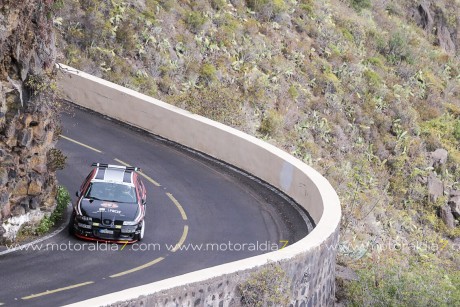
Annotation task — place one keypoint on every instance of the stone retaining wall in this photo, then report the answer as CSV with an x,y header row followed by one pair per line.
x,y
27,115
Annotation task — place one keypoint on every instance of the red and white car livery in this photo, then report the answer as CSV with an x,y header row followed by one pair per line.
x,y
110,205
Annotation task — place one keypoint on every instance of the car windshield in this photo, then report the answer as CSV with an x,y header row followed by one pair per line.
x,y
111,192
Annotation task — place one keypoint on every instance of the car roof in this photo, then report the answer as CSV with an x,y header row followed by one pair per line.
x,y
114,173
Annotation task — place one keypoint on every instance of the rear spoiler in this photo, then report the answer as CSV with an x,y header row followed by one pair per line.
x,y
105,165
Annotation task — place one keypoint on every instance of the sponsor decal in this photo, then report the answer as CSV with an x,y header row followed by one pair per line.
x,y
109,210
109,205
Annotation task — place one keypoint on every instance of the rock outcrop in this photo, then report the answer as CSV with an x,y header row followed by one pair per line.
x,y
27,113
446,215
440,22
449,212
454,203
435,187
438,157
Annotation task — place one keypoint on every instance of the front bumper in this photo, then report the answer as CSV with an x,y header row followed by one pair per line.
x,y
105,234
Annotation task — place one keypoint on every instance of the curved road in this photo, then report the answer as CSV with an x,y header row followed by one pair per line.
x,y
193,203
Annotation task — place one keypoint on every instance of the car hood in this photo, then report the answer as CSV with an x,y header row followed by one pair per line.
x,y
100,209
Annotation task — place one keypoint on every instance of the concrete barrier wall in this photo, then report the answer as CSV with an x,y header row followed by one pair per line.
x,y
310,262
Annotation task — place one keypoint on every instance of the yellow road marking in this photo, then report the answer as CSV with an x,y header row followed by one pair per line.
x,y
148,264
57,290
179,207
182,239
140,173
81,144
138,268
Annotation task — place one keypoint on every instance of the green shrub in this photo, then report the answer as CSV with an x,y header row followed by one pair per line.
x,y
73,55
57,5
398,49
126,37
151,5
195,21
377,61
457,130
359,5
267,9
259,5
293,92
307,6
144,83
44,226
372,77
62,200
208,72
218,4
348,36
271,122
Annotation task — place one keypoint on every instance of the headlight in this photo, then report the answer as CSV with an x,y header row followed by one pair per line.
x,y
84,218
129,223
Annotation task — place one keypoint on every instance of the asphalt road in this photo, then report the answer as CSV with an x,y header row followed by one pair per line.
x,y
194,203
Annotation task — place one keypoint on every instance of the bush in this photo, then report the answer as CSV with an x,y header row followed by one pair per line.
x,y
195,21
398,49
126,37
359,5
267,9
62,199
376,61
218,4
44,226
208,72
271,122
293,92
457,130
308,6
373,78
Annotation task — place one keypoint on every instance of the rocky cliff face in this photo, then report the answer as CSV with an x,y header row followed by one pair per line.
x,y
27,117
439,20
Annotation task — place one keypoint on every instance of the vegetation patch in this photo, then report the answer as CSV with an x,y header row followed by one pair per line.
x,y
49,221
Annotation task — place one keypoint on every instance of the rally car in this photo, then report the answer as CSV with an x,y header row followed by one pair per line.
x,y
110,205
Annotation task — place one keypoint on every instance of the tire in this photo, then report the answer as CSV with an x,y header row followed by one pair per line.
x,y
140,236
71,230
70,226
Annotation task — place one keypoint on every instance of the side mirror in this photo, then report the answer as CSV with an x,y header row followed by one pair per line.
x,y
78,193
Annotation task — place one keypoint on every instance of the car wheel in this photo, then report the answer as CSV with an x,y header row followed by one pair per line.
x,y
70,226
140,236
